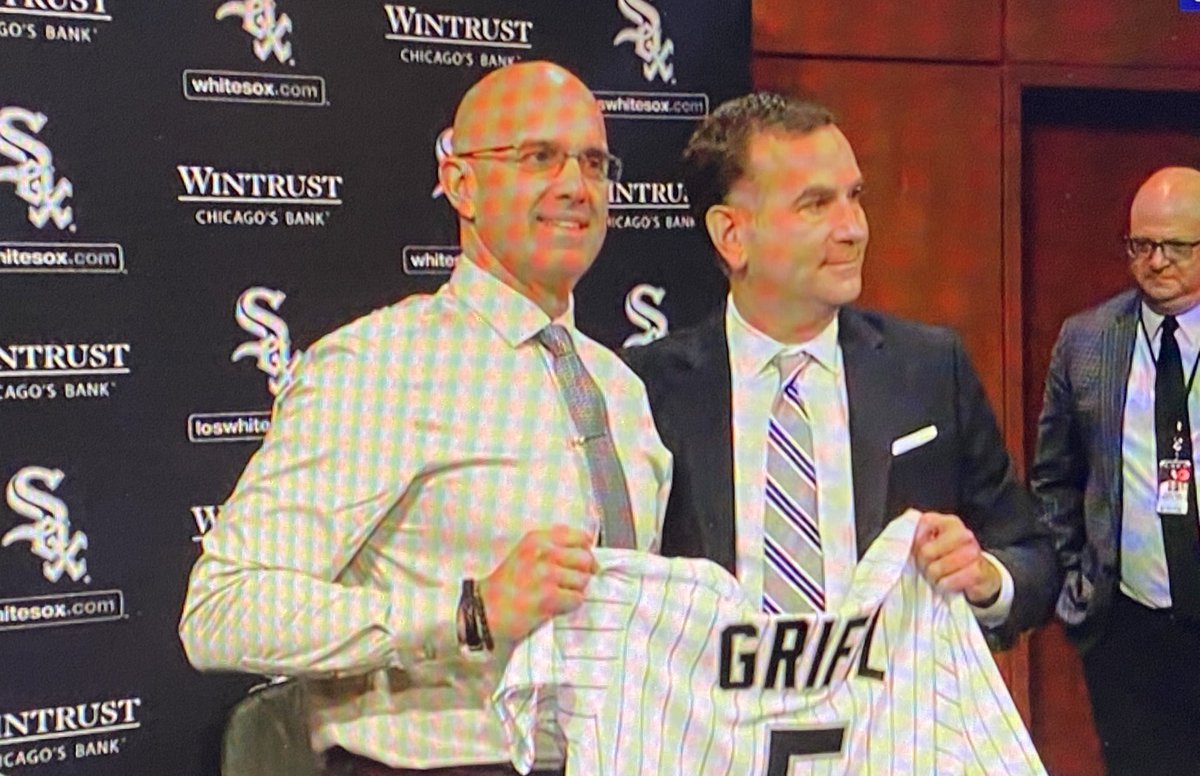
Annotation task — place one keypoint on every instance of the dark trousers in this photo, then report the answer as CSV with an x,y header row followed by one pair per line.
x,y
339,762
1144,680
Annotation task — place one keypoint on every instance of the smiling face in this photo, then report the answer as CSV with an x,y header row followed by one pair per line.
x,y
1167,207
540,228
801,232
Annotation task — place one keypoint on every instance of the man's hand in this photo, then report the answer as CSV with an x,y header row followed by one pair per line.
x,y
544,575
949,556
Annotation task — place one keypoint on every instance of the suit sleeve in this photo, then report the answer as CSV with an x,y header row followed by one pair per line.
x,y
998,509
1059,469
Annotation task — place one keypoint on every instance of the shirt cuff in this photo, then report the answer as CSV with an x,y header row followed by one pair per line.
x,y
994,616
418,637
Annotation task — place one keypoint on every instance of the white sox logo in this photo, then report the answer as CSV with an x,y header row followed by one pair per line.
x,y
260,20
50,536
33,170
443,147
648,42
273,350
642,311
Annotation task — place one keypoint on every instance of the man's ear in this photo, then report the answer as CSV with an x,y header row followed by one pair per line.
x,y
458,182
725,228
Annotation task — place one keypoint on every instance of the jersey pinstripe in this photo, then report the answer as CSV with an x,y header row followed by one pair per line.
x,y
669,669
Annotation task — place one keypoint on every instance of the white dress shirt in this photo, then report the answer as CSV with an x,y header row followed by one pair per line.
x,y
413,448
755,381
1143,559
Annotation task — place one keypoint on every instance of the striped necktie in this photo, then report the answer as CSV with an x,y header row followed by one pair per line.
x,y
590,418
793,571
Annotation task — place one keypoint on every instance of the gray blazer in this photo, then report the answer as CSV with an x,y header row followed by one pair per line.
x,y
1076,473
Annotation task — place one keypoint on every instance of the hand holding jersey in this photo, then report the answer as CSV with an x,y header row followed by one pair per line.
x,y
545,574
950,557
668,668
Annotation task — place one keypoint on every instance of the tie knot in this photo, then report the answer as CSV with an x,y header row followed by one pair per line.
x,y
557,340
1169,326
790,365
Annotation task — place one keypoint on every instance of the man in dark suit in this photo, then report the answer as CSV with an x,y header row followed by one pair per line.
x,y
1114,472
791,413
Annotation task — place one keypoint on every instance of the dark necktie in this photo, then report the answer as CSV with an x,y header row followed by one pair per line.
x,y
1181,539
590,418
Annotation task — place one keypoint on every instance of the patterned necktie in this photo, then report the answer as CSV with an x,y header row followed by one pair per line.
x,y
1181,539
590,418
793,571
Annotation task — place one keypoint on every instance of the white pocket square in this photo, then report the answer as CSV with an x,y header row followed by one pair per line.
x,y
921,436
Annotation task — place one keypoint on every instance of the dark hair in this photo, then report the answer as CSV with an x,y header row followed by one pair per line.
x,y
715,156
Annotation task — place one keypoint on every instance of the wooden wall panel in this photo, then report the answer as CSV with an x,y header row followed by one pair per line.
x,y
1085,151
922,29
949,239
1102,32
928,140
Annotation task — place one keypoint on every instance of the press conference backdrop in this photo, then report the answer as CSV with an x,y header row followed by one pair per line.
x,y
191,193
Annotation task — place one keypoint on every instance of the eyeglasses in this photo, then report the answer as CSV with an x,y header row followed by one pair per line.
x,y
1175,251
548,158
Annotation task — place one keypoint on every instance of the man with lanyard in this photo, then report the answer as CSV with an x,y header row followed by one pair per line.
x,y
1115,473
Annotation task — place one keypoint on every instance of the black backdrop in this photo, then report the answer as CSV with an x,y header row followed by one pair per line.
x,y
144,245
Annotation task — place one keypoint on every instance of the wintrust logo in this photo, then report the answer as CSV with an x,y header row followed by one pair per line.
x,y
272,350
58,9
648,205
456,40
646,35
30,493
265,24
205,517
66,21
237,197
30,737
32,172
641,308
80,719
54,370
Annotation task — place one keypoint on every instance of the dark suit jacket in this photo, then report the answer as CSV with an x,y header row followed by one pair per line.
x,y
1077,467
900,377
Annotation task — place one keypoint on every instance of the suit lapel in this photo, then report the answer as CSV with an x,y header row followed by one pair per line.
x,y
709,447
1116,354
867,392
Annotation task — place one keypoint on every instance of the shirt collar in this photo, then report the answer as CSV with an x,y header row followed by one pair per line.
x,y
514,316
1189,325
752,351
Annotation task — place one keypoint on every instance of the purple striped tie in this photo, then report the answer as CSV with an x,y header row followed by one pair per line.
x,y
793,563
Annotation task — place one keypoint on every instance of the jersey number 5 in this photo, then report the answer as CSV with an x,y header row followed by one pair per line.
x,y
786,744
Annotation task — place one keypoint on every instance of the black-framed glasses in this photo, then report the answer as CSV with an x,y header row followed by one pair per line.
x,y
549,158
1175,251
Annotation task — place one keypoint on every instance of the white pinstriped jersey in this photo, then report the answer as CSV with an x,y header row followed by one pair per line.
x,y
669,668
